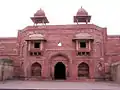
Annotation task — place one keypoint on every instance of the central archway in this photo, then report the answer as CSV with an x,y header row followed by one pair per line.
x,y
59,71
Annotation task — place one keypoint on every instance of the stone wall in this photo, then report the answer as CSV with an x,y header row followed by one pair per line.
x,y
115,72
8,46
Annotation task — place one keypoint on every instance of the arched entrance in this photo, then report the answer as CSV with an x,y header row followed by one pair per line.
x,y
83,70
59,71
36,69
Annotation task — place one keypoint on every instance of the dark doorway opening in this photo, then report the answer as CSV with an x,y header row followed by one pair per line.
x,y
60,71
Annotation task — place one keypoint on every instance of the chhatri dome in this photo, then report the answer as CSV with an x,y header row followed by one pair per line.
x,y
40,13
39,17
82,16
82,12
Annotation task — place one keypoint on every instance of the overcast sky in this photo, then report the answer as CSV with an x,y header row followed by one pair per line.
x,y
15,14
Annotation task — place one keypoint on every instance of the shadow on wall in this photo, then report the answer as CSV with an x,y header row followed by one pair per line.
x,y
6,69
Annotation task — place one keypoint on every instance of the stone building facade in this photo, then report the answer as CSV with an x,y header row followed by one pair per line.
x,y
81,51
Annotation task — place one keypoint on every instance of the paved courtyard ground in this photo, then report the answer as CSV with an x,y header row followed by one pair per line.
x,y
59,85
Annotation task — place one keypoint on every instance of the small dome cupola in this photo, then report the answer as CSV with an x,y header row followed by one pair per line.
x,y
82,12
39,17
39,13
82,16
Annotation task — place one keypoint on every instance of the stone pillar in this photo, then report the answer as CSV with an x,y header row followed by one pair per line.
x,y
26,61
77,45
53,70
29,46
43,71
71,70
118,73
74,71
41,45
25,73
91,69
89,45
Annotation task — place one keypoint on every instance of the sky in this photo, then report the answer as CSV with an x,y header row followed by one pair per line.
x,y
15,14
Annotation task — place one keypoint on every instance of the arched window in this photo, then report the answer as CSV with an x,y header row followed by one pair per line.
x,y
36,69
83,70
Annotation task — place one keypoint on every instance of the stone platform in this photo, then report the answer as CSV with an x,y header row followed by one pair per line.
x,y
58,85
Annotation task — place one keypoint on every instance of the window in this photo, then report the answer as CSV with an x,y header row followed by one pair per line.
x,y
88,53
39,53
83,53
37,45
35,53
79,54
82,44
31,53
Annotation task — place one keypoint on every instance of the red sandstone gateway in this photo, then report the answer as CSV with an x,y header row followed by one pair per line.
x,y
65,52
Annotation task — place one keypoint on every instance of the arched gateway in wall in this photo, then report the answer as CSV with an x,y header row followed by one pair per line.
x,y
59,71
59,67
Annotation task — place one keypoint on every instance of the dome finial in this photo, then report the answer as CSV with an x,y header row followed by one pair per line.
x,y
40,8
